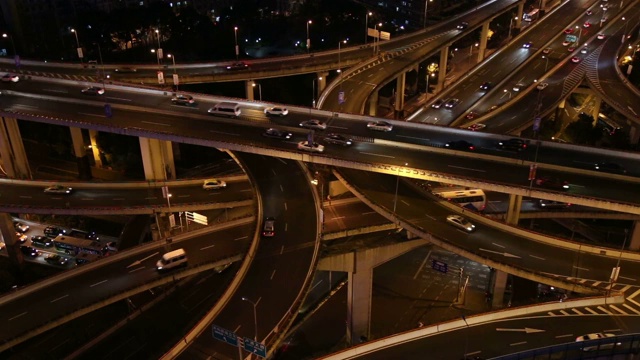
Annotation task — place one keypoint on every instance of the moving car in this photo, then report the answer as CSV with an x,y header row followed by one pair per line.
x,y
183,100
527,45
568,31
595,336
550,204
269,227
551,182
277,134
601,36
338,139
610,168
53,231
313,147
512,144
460,145
172,259
477,127
566,43
571,48
584,50
40,240
437,104
519,86
93,90
485,85
542,86
58,189
238,65
21,237
379,126
313,124
214,184
589,12
460,222
10,78
126,70
575,59
56,259
20,227
471,115
587,24
546,50
463,25
276,111
29,251
451,103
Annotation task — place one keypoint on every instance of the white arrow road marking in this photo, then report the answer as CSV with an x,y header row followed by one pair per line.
x,y
137,262
505,254
524,330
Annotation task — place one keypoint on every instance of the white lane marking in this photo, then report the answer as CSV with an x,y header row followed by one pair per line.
x,y
134,270
337,217
240,238
430,217
183,196
282,161
272,274
498,245
338,127
372,154
404,202
282,250
537,257
238,328
369,213
564,336
207,247
86,199
94,115
465,168
60,298
223,133
286,227
56,91
412,137
581,268
25,106
115,98
314,286
119,199
27,197
150,198
285,206
98,283
612,330
472,353
281,188
17,316
154,123
518,343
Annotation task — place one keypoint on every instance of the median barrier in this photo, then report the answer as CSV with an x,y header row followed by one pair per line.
x,y
153,184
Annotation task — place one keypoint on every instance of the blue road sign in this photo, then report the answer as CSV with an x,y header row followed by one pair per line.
x,y
439,266
341,97
225,335
536,124
255,347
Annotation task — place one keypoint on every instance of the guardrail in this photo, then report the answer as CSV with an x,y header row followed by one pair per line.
x,y
151,184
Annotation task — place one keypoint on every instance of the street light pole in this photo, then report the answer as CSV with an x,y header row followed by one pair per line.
x,y
77,44
376,40
159,52
579,34
426,3
175,71
547,63
366,26
235,36
255,316
253,84
510,26
308,38
13,44
395,198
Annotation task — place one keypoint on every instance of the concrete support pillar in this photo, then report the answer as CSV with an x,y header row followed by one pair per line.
x,y
520,14
12,153
483,40
543,6
8,234
93,135
322,81
513,213
248,89
634,242
359,299
634,134
373,103
597,103
79,149
498,286
399,104
442,74
157,158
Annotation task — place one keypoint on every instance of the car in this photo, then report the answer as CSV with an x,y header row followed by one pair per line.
x,y
589,12
437,104
512,144
568,31
451,103
20,227
586,24
595,336
476,127
551,204
610,168
92,235
485,85
546,50
313,124
380,126
276,111
338,139
93,90
460,222
126,70
492,108
182,99
551,182
277,134
8,77
542,86
519,86
40,240
214,184
604,18
58,189
21,237
460,145
527,45
53,231
575,59
471,115
238,65
313,147
112,246
269,227
584,50
601,36
29,251
571,48
463,25
56,259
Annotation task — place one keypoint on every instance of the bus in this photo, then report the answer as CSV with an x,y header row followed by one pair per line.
x,y
73,245
531,15
473,199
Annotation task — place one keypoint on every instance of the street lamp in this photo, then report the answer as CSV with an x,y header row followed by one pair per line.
x,y
427,90
313,91
579,33
175,71
395,198
308,38
339,59
153,51
547,63
78,49
426,3
366,26
253,84
159,52
235,36
13,44
507,91
255,317
376,40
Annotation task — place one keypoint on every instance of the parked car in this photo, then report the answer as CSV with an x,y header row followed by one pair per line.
x,y
53,231
29,251
21,237
20,227
39,240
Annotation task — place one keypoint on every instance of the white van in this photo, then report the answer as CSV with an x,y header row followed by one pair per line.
x,y
172,259
225,109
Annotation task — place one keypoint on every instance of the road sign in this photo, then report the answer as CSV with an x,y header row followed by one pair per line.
x,y
341,97
255,347
176,79
571,38
439,266
536,123
225,335
160,78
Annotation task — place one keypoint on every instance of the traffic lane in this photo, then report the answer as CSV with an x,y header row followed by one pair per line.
x,y
53,301
350,216
487,341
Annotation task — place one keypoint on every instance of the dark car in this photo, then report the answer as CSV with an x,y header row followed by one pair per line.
x,y
460,145
438,104
512,144
338,139
238,65
463,25
551,204
485,85
183,100
56,259
29,251
277,134
53,231
527,45
551,182
610,168
269,227
41,241
451,103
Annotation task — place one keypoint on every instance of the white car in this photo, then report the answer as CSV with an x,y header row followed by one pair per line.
x,y
58,189
213,184
313,124
10,78
542,86
379,126
314,147
460,222
594,336
601,36
276,111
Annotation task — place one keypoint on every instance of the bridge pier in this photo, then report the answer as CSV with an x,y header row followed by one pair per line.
x,y
442,74
322,81
249,89
93,135
498,285
483,41
373,103
399,104
157,159
8,233
519,15
79,149
12,153
513,212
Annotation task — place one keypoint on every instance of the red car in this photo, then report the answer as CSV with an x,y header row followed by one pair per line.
x,y
587,24
568,31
